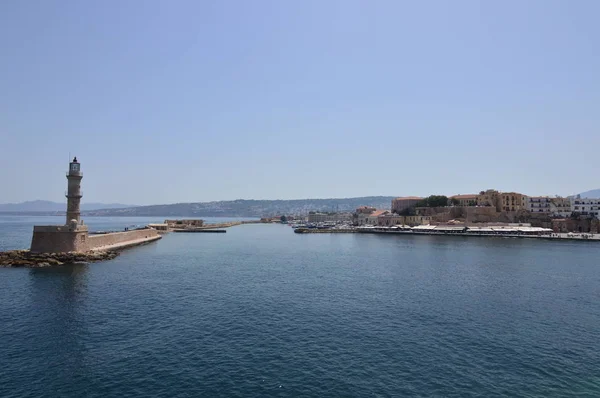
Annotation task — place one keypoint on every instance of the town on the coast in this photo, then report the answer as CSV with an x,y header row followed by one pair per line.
x,y
489,212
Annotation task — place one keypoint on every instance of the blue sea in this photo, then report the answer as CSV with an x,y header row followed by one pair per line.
x,y
263,312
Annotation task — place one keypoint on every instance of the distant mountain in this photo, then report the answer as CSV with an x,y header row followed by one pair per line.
x,y
595,193
248,208
46,206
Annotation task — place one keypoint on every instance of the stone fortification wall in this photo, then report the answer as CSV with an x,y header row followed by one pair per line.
x,y
120,239
576,225
481,214
58,239
484,214
469,213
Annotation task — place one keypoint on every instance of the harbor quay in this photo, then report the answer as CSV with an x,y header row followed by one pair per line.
x,y
510,232
488,213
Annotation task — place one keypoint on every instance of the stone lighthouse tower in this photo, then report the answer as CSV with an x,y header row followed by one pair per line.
x,y
74,195
73,235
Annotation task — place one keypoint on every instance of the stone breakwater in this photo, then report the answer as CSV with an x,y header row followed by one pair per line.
x,y
27,259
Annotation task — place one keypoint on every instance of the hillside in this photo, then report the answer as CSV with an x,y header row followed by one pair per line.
x,y
595,193
47,206
248,208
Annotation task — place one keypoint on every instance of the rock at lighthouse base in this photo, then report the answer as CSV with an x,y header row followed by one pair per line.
x,y
28,259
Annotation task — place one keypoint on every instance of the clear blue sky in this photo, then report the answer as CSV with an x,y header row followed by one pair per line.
x,y
178,101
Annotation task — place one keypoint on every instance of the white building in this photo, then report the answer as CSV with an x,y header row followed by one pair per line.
x,y
585,206
560,207
557,206
539,204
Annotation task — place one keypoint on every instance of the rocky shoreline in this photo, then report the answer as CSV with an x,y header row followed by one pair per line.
x,y
27,259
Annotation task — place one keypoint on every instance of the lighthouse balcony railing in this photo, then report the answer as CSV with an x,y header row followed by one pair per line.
x,y
74,173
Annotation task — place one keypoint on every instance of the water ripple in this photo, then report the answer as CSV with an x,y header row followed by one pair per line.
x,y
260,311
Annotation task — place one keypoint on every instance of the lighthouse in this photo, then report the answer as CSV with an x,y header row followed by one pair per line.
x,y
74,195
73,236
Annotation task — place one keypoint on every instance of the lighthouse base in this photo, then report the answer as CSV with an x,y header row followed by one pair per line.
x,y
62,239
59,239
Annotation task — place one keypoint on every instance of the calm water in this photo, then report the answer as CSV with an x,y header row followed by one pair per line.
x,y
260,311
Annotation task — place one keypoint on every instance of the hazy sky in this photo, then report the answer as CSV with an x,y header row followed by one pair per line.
x,y
178,101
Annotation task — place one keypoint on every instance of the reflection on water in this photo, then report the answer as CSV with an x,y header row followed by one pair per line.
x,y
57,309
67,283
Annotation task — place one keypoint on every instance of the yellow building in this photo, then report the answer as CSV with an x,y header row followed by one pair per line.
x,y
390,219
417,220
502,201
403,203
512,201
489,198
465,200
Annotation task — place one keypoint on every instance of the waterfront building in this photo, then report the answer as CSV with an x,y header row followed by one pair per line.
x,y
539,204
512,201
417,220
556,207
369,218
403,203
390,219
560,206
365,210
465,200
585,206
489,198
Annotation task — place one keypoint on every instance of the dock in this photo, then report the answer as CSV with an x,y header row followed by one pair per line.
x,y
587,237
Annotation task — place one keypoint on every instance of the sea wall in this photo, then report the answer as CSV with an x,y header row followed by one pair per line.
x,y
118,240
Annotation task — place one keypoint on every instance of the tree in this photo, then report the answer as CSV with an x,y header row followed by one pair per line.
x,y
433,201
407,212
283,219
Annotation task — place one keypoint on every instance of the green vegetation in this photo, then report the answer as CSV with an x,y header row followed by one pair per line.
x,y
433,201
408,212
